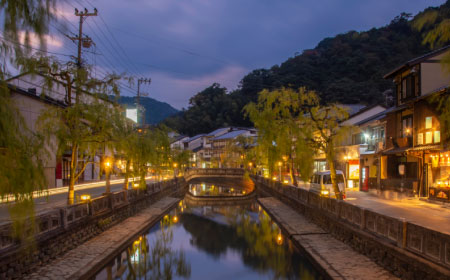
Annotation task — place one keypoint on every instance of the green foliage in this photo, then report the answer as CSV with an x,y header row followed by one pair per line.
x,y
209,109
276,117
21,150
293,125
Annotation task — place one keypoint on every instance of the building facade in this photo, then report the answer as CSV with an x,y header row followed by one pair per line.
x,y
415,162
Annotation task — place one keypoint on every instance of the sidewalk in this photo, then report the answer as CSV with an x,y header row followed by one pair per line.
x,y
422,213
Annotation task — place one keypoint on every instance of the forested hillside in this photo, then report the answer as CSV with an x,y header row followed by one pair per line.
x,y
155,111
348,68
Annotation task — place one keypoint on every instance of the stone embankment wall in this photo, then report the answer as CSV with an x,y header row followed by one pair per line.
x,y
407,250
61,230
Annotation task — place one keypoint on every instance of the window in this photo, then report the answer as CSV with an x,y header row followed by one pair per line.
x,y
437,136
428,122
407,126
428,137
408,86
357,139
327,179
420,139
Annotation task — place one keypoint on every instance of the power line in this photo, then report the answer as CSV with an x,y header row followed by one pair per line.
x,y
35,49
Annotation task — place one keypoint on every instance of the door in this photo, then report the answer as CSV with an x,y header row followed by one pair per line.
x,y
365,179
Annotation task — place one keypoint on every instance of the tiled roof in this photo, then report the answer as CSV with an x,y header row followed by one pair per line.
x,y
231,134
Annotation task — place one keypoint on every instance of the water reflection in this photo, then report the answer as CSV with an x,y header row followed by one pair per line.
x,y
211,242
204,189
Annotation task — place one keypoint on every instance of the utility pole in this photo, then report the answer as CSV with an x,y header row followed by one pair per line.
x,y
85,42
139,94
82,42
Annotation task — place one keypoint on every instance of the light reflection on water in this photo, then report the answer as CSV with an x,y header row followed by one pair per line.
x,y
211,242
203,189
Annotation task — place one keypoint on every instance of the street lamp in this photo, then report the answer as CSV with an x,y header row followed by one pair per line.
x,y
174,169
279,166
108,166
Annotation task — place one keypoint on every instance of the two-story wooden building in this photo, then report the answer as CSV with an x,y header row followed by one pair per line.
x,y
415,162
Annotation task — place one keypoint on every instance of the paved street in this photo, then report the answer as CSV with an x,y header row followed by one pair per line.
x,y
58,197
422,213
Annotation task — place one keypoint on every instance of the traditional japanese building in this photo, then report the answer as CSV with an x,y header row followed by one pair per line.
x,y
415,162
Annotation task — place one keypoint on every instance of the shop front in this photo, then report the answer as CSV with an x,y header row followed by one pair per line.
x,y
437,175
353,173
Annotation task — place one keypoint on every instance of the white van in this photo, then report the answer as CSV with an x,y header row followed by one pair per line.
x,y
321,182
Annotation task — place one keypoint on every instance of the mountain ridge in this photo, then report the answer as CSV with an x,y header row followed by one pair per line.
x,y
347,68
155,110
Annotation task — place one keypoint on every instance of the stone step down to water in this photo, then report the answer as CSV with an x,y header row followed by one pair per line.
x,y
91,255
336,258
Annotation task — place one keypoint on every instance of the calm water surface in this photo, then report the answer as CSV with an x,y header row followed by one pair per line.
x,y
211,242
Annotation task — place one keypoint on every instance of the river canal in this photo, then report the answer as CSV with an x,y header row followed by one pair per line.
x,y
211,242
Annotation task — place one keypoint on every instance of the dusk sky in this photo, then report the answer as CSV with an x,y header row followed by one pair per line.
x,y
186,45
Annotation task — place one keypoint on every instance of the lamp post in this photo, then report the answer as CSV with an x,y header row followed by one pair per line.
x,y
108,166
279,166
174,169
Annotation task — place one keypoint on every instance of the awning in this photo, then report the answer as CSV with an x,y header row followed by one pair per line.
x,y
393,151
434,147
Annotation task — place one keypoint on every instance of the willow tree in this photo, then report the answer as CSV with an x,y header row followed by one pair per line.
x,y
323,129
293,124
276,117
22,152
84,129
125,138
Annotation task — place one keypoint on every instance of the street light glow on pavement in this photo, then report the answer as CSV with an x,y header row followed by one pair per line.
x,y
78,187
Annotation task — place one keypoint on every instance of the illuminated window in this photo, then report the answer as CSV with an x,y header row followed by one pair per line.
x,y
437,136
428,137
428,122
420,139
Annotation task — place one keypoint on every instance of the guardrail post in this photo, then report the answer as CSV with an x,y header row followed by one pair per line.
x,y
63,215
404,232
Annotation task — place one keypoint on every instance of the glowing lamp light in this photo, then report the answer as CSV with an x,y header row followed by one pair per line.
x,y
324,192
85,197
350,184
366,135
243,192
279,239
175,165
274,178
280,163
108,164
175,219
286,181
408,130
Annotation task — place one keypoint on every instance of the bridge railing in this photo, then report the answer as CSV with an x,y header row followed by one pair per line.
x,y
213,172
67,217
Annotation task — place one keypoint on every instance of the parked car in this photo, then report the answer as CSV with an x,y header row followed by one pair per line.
x,y
321,182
